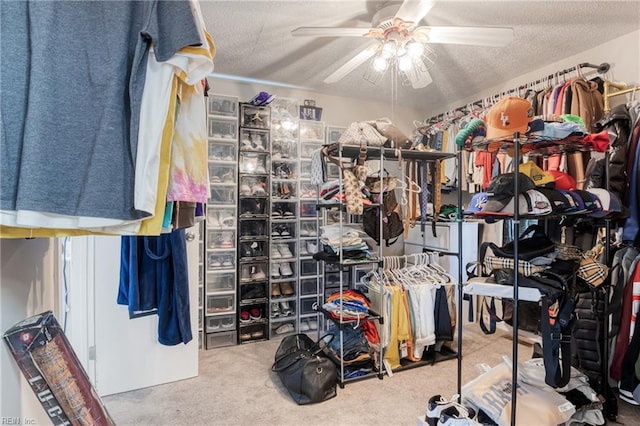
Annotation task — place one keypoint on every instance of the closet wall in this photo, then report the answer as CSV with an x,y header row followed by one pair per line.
x,y
336,110
29,285
28,277
621,53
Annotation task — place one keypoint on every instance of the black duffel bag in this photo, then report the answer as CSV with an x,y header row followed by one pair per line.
x,y
308,375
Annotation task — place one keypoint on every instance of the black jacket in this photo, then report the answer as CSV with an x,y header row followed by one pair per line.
x,y
618,125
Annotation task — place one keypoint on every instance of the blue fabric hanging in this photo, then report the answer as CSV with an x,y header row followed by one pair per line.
x,y
154,279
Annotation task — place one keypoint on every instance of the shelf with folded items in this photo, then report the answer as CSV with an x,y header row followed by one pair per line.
x,y
369,315
354,262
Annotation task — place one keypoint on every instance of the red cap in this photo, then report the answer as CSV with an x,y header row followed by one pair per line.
x,y
563,180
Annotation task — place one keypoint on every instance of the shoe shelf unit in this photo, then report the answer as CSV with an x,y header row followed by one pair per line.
x,y
312,137
218,267
284,255
254,188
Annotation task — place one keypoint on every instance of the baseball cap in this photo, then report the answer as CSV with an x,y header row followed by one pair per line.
x,y
501,189
609,202
509,115
574,201
559,203
530,202
477,201
537,175
590,201
563,180
556,130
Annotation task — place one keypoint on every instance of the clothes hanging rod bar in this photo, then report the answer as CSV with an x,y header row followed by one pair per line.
x,y
622,89
601,69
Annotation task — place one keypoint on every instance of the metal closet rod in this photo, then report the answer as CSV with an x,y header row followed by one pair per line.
x,y
601,69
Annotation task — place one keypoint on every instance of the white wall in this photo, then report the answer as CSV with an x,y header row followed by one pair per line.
x,y
621,53
336,110
28,286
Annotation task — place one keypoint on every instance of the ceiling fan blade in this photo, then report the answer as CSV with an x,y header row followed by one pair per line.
x,y
478,36
414,10
352,64
329,32
423,80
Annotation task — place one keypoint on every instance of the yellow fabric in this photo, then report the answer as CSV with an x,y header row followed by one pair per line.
x,y
445,140
399,328
153,225
18,232
405,302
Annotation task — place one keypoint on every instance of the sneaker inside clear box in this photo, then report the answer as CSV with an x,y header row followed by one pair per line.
x,y
222,173
222,129
221,239
254,140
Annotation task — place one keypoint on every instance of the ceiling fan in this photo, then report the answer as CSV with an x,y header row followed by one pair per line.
x,y
401,42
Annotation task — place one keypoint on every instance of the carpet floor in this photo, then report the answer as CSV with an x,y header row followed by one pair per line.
x,y
235,386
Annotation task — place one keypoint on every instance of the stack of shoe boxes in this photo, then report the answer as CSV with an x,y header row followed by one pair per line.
x,y
284,217
219,243
311,272
253,241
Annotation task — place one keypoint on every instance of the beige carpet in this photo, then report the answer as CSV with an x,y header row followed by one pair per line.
x,y
236,387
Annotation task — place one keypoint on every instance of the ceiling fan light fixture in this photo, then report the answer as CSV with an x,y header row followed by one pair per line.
x,y
415,49
380,63
405,63
389,49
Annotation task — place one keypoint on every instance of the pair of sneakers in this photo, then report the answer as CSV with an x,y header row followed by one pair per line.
x,y
281,270
442,412
281,251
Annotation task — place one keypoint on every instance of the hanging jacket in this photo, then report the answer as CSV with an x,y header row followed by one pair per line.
x,y
631,228
617,124
587,101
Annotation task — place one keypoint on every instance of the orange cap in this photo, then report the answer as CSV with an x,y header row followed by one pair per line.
x,y
508,116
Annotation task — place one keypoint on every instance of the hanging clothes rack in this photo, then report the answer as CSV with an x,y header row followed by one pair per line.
x,y
466,109
620,89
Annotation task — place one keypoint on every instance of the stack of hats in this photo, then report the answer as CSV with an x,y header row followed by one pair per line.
x,y
540,194
513,115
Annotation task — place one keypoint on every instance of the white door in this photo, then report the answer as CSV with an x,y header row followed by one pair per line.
x,y
127,353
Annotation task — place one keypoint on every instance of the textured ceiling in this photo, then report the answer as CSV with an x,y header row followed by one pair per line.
x,y
253,40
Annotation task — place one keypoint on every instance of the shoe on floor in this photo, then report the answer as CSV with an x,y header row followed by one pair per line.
x,y
457,415
627,396
435,406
